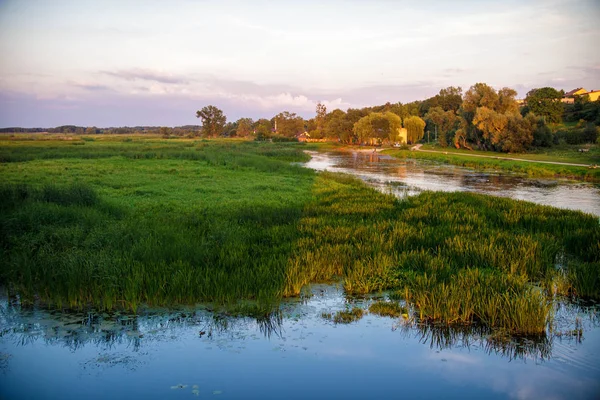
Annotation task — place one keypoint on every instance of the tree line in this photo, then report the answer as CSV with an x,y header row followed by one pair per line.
x,y
481,117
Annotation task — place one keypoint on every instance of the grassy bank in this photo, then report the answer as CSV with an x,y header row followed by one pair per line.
x,y
465,159
126,223
121,223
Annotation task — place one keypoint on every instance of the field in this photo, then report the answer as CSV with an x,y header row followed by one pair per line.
x,y
118,222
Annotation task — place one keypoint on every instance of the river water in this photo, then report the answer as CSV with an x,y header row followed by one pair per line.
x,y
409,177
298,352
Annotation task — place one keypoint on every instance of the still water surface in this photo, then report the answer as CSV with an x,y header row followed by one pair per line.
x,y
298,353
409,177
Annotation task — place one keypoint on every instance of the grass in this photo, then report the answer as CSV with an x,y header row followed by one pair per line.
x,y
348,316
120,224
387,309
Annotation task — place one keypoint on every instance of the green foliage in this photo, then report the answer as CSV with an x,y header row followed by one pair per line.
x,y
213,121
288,124
378,127
348,316
387,309
415,128
546,102
180,222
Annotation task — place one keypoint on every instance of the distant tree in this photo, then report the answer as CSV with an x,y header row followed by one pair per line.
x,y
165,131
91,130
213,120
450,98
542,135
316,128
244,127
339,126
507,102
546,102
490,123
518,134
289,124
415,128
263,129
444,122
377,127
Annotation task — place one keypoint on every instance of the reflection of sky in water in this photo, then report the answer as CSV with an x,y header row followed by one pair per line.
x,y
307,357
386,173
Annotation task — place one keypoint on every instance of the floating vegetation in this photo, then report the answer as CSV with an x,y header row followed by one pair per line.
x,y
387,309
348,316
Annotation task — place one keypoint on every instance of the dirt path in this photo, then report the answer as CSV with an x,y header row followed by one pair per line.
x,y
418,148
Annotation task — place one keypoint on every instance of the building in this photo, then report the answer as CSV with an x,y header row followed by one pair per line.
x,y
569,97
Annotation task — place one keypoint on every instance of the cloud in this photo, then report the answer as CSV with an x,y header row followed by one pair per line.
x,y
146,75
91,86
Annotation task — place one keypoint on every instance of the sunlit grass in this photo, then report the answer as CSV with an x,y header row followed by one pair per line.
x,y
152,222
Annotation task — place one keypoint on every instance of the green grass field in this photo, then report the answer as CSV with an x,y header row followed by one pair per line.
x,y
127,222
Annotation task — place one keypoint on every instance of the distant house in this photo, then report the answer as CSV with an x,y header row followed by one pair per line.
x,y
594,95
569,97
576,92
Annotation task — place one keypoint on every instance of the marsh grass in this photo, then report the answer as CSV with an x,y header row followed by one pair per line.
x,y
150,222
387,309
348,316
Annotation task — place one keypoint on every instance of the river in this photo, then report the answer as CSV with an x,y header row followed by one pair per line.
x,y
408,177
299,353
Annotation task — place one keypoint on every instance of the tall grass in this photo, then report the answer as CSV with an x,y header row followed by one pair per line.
x,y
120,225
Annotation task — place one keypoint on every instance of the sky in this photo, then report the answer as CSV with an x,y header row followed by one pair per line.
x,y
128,63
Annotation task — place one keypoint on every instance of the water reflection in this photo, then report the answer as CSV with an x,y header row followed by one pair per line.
x,y
410,177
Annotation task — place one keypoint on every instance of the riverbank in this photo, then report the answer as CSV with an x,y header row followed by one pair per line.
x,y
532,167
162,222
559,163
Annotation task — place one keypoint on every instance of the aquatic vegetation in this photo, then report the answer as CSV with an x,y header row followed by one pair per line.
x,y
387,309
348,316
117,225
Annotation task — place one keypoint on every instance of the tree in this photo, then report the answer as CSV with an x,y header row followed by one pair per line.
x,y
263,129
546,102
450,99
91,130
339,126
415,128
288,124
377,127
490,123
213,120
518,135
319,122
244,127
444,122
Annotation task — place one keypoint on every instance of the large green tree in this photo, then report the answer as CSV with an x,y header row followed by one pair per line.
x,y
288,124
213,120
444,122
244,127
415,128
339,126
378,127
546,102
